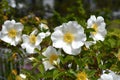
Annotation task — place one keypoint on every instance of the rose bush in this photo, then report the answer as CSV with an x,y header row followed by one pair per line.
x,y
75,49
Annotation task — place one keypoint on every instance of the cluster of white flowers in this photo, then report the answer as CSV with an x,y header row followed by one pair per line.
x,y
69,37
12,33
109,76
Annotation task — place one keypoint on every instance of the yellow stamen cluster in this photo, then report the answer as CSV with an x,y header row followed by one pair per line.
x,y
12,33
95,27
68,37
53,58
81,76
33,39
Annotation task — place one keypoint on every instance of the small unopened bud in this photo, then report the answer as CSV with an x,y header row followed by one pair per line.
x,y
23,76
43,27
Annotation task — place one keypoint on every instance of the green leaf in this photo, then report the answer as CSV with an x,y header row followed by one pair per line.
x,y
41,69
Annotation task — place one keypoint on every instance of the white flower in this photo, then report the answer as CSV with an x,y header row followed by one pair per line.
x,y
33,41
98,25
11,32
70,37
52,58
109,76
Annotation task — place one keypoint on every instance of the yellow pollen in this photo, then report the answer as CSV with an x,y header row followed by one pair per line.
x,y
53,58
95,27
68,37
81,76
12,33
33,39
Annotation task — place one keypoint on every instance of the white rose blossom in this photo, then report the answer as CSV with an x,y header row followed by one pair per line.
x,y
70,37
11,32
109,76
98,25
32,41
52,58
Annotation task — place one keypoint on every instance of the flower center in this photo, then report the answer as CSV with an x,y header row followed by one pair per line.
x,y
68,37
12,33
53,58
95,27
33,39
81,76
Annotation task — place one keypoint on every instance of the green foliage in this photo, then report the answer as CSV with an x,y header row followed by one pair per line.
x,y
63,13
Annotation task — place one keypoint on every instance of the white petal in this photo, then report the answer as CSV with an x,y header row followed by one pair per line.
x,y
58,44
101,27
47,65
58,28
6,38
18,26
47,34
76,51
79,40
18,37
13,42
68,49
93,18
30,49
25,38
72,27
34,32
50,50
42,35
91,21
40,38
89,43
106,77
98,37
23,45
38,41
100,19
13,21
4,29
77,44
57,38
7,26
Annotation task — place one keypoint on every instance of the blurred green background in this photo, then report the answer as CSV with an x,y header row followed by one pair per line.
x,y
53,10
